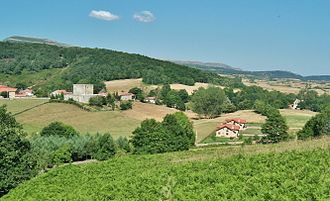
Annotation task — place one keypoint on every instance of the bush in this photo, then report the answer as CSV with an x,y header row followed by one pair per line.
x,y
125,105
59,129
123,144
97,101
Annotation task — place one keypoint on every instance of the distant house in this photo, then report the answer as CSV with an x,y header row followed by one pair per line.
x,y
26,93
295,104
151,99
237,122
228,131
59,92
9,90
127,96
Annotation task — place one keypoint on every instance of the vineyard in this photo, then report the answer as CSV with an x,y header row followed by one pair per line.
x,y
288,171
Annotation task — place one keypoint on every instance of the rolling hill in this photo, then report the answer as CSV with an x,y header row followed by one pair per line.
x,y
49,67
24,39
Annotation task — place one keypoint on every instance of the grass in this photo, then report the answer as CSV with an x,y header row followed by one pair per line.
x,y
115,122
205,127
285,171
19,105
118,123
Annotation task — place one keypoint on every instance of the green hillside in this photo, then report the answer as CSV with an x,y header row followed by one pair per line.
x,y
52,67
285,171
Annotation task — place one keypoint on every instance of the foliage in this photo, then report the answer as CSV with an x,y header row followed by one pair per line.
x,y
173,134
316,126
275,128
248,95
98,101
312,101
193,175
58,129
105,147
208,102
123,144
4,94
91,66
16,161
138,93
126,105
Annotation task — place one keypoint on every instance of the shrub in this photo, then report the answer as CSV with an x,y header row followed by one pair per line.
x,y
97,101
123,144
125,105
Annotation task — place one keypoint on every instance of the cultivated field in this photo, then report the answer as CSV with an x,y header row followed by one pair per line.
x,y
289,86
116,122
127,84
295,170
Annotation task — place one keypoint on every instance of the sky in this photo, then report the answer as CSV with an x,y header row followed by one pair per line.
x,y
291,35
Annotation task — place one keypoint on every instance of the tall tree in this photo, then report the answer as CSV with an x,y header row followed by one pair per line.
x,y
16,161
275,128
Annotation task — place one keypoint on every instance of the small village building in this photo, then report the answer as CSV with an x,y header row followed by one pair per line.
x,y
59,92
26,93
8,90
81,93
151,100
127,96
228,131
295,104
238,122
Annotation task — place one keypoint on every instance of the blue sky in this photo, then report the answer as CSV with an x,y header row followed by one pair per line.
x,y
250,34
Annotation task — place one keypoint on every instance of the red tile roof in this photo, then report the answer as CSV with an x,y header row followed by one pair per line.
x,y
237,120
229,126
6,89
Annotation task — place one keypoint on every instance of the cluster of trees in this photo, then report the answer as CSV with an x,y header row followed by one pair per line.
x,y
172,98
86,65
317,126
275,126
211,102
312,101
59,143
246,97
174,133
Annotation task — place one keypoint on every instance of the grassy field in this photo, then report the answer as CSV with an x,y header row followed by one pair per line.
x,y
19,105
284,171
205,127
127,84
116,122
296,119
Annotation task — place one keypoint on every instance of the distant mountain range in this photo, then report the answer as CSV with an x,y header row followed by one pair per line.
x,y
24,39
229,70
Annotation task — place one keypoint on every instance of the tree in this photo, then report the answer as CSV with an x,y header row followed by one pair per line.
x,y
59,129
123,144
164,91
110,101
208,102
317,126
149,137
105,147
138,93
175,133
275,128
184,96
17,164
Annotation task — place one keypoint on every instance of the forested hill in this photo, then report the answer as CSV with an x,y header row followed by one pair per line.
x,y
50,67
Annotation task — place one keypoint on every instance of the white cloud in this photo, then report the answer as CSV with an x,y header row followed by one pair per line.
x,y
144,16
103,15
